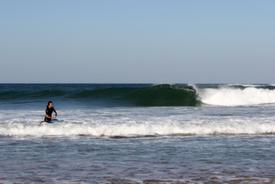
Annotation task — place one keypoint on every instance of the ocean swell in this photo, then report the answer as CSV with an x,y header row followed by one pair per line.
x,y
143,95
156,95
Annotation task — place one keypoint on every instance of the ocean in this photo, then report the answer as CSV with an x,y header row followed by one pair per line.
x,y
138,133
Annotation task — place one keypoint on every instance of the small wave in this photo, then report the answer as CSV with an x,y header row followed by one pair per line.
x,y
144,129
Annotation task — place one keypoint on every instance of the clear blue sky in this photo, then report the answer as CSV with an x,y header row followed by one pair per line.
x,y
151,41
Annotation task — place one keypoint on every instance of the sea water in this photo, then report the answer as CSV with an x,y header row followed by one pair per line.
x,y
138,133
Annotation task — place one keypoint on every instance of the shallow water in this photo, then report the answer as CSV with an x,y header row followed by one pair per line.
x,y
88,160
122,145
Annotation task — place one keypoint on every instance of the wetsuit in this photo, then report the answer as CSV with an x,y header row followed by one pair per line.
x,y
49,112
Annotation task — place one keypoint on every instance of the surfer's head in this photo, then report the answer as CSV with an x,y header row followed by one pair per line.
x,y
50,104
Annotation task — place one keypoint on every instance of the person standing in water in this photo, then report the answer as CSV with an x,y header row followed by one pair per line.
x,y
49,111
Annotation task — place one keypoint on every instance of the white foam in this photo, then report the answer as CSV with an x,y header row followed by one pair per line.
x,y
137,122
227,96
146,128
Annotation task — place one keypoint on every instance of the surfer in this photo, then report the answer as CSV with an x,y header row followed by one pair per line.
x,y
49,111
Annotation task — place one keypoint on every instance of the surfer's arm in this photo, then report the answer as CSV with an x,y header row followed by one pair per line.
x,y
55,112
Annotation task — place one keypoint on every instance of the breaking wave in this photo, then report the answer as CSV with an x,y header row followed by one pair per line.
x,y
158,95
237,96
145,95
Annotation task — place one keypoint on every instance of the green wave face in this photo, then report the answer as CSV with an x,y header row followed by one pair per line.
x,y
24,94
158,95
165,95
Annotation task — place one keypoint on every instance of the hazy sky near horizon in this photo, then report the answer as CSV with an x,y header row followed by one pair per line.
x,y
137,41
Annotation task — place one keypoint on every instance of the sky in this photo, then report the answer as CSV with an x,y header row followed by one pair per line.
x,y
137,41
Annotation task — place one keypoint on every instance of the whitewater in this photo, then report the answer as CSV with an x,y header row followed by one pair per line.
x,y
123,122
230,96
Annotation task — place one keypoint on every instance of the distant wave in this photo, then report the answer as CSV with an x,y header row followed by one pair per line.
x,y
150,95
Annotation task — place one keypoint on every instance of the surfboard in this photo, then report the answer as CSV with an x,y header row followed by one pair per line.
x,y
54,121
